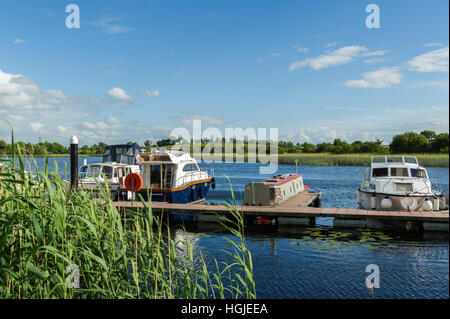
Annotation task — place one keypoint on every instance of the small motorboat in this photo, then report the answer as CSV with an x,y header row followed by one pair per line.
x,y
173,176
398,183
118,162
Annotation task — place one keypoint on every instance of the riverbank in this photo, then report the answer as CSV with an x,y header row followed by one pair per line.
x,y
327,159
321,159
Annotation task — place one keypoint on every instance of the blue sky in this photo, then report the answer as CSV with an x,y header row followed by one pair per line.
x,y
138,69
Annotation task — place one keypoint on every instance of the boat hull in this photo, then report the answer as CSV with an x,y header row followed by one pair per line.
x,y
193,193
372,200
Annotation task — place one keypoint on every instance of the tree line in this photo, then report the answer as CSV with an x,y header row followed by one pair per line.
x,y
410,142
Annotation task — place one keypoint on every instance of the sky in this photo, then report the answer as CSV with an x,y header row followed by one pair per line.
x,y
138,69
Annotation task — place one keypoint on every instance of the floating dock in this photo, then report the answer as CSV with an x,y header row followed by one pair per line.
x,y
297,211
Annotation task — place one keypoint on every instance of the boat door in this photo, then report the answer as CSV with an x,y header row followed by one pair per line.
x,y
167,175
121,174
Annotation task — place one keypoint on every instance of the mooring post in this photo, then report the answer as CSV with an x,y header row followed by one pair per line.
x,y
73,162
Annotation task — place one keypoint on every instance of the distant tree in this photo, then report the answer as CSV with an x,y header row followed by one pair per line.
x,y
430,135
410,142
308,148
440,143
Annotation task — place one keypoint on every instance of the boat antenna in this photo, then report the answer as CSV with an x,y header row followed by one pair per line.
x,y
296,168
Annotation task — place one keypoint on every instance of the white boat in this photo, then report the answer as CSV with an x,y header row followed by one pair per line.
x,y
118,161
398,183
173,176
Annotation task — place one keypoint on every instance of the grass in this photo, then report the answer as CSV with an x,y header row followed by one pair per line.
x,y
48,231
326,159
322,159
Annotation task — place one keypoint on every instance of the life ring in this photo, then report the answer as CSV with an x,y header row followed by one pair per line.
x,y
134,182
410,207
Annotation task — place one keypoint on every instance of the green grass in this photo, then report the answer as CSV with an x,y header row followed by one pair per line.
x,y
45,228
326,159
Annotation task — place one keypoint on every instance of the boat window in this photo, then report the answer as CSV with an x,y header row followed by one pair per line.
x,y
107,170
380,172
115,172
83,171
93,171
155,175
410,160
394,159
398,171
407,188
415,172
378,159
190,167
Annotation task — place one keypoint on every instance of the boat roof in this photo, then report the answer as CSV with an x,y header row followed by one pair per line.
x,y
281,179
164,156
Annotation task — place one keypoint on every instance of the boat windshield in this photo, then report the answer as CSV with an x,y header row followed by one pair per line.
x,y
419,173
399,171
95,171
394,159
380,172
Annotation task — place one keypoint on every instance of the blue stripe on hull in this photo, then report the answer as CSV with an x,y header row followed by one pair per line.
x,y
190,194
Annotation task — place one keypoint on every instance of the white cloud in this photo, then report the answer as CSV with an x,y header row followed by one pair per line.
x,y
61,129
434,44
19,41
36,126
374,53
375,60
152,93
377,79
332,44
433,61
109,26
337,57
119,93
302,50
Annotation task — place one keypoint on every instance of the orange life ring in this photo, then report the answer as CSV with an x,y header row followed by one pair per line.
x,y
134,182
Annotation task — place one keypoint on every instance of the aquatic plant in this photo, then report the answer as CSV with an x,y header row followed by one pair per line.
x,y
49,235
331,239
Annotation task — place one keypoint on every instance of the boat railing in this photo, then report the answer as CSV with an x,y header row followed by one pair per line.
x,y
193,177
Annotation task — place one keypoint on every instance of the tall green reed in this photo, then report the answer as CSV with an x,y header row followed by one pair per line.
x,y
46,230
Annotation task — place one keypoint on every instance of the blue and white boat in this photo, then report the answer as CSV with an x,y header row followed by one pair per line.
x,y
173,176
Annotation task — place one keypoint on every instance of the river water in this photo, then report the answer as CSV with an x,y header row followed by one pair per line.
x,y
297,262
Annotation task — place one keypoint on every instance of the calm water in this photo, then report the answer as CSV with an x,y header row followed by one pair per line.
x,y
287,265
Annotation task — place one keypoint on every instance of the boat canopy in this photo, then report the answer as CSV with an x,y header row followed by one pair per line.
x,y
121,153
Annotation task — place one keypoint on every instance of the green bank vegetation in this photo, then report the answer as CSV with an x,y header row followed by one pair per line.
x,y
46,231
431,149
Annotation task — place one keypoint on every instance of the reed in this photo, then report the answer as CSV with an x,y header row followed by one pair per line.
x,y
326,159
47,231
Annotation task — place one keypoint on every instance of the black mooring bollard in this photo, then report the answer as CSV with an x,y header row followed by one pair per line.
x,y
74,162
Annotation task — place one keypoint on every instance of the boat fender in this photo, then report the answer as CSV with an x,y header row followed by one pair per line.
x,y
373,201
213,183
408,207
386,203
427,205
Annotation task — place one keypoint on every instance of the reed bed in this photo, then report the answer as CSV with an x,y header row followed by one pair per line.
x,y
326,159
49,234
